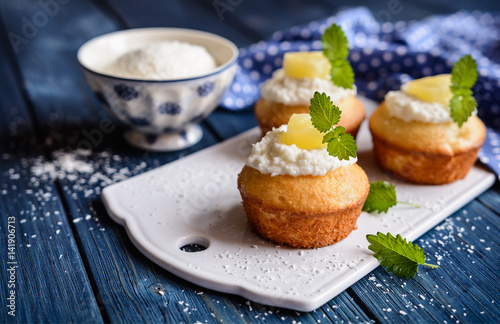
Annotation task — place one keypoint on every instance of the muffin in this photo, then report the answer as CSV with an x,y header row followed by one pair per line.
x,y
304,198
415,138
289,90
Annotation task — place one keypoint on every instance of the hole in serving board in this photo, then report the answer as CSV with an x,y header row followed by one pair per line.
x,y
193,244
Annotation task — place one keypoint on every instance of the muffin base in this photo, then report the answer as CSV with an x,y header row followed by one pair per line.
x,y
301,231
422,167
312,213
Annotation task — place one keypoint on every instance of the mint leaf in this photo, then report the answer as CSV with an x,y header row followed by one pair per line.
x,y
343,147
381,197
464,73
334,43
333,134
463,78
396,254
324,114
461,108
336,50
342,74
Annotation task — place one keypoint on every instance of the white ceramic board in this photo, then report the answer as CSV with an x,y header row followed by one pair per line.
x,y
194,200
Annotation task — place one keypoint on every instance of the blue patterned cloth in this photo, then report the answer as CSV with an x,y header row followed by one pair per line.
x,y
385,55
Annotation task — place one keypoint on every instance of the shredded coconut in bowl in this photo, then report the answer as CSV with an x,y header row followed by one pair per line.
x,y
167,60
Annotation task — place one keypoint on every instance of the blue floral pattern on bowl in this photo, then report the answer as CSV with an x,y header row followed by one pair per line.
x,y
205,89
183,134
170,108
161,107
126,92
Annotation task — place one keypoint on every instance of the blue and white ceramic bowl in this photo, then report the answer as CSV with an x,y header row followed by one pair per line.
x,y
162,115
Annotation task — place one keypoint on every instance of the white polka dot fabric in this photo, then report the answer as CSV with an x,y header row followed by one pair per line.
x,y
385,55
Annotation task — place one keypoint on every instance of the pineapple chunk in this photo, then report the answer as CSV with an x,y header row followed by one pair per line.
x,y
306,65
301,132
431,89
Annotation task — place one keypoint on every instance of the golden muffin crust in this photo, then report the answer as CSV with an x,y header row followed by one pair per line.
x,y
271,114
425,153
304,211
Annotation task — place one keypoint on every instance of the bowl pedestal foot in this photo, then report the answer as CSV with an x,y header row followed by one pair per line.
x,y
165,142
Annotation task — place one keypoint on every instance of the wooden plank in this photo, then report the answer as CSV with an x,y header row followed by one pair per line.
x,y
227,124
466,248
491,198
266,17
150,13
49,280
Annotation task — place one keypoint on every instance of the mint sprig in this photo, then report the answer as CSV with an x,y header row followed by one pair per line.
x,y
397,255
381,197
463,78
324,115
336,50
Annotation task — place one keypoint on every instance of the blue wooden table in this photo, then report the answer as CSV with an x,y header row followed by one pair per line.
x,y
64,260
